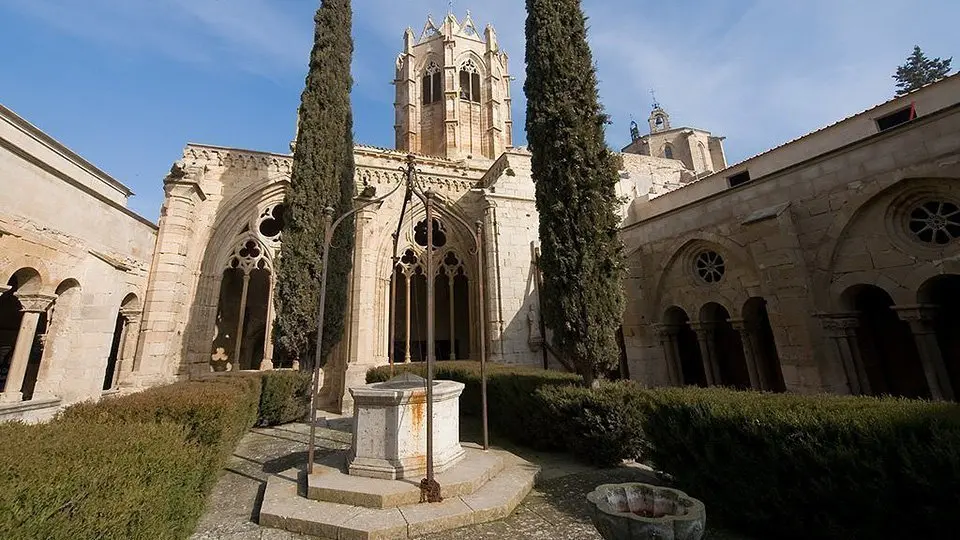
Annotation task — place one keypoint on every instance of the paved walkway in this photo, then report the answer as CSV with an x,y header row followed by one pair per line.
x,y
554,509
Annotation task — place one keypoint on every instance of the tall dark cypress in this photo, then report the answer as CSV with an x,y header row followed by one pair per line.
x,y
322,176
576,176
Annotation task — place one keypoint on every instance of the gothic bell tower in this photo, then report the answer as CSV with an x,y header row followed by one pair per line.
x,y
453,92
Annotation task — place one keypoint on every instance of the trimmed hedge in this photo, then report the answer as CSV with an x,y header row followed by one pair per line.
x,y
139,465
791,466
73,480
284,397
510,389
600,426
773,465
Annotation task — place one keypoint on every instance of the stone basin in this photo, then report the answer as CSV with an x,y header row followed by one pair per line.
x,y
639,511
390,435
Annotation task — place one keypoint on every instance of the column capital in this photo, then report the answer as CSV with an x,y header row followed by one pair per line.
x,y
741,325
132,315
839,324
703,326
35,302
4,288
664,330
916,312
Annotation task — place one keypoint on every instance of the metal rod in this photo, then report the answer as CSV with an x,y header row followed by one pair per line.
x,y
327,235
430,335
240,318
327,239
483,338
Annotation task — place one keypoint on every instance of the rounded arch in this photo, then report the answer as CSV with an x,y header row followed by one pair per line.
x,y
887,348
667,151
843,290
940,298
763,345
681,348
682,252
27,279
675,315
850,214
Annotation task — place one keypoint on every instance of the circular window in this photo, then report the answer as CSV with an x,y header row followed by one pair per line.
x,y
935,222
709,266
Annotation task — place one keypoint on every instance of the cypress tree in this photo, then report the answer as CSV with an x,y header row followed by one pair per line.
x,y
575,176
322,176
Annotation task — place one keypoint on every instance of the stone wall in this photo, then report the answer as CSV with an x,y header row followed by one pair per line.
x,y
798,238
78,259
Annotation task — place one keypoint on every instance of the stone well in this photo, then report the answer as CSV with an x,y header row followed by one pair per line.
x,y
390,428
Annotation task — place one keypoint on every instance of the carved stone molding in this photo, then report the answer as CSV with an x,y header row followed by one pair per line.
x,y
36,302
839,324
924,313
200,156
132,315
4,288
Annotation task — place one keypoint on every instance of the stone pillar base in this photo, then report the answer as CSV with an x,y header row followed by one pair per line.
x,y
11,397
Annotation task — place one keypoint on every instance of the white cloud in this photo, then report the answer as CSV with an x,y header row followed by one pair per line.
x,y
759,73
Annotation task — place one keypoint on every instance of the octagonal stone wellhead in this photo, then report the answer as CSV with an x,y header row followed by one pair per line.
x,y
390,428
637,511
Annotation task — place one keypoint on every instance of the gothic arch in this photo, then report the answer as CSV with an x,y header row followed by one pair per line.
x,y
478,61
235,214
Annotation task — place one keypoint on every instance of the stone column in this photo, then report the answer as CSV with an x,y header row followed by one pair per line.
x,y
491,286
238,337
267,363
667,334
921,319
841,329
33,305
750,352
128,344
406,336
453,327
706,336
172,275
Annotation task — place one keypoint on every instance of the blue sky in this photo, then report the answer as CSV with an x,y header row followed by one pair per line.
x,y
127,83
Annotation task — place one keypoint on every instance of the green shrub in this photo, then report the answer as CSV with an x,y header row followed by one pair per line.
x,y
284,397
600,426
75,480
510,389
216,411
791,466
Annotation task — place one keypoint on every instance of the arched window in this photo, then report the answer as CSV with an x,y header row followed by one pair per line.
x,y
470,82
703,156
668,151
432,84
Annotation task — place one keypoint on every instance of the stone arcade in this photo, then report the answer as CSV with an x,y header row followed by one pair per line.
x,y
828,263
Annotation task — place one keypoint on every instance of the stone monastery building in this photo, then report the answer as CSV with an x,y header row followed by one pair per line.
x,y
828,264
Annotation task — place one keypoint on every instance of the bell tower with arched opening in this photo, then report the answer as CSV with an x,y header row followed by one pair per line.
x,y
453,92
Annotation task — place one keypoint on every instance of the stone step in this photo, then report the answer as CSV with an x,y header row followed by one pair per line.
x,y
330,483
285,507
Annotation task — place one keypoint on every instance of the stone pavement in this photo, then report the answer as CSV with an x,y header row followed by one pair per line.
x,y
553,510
